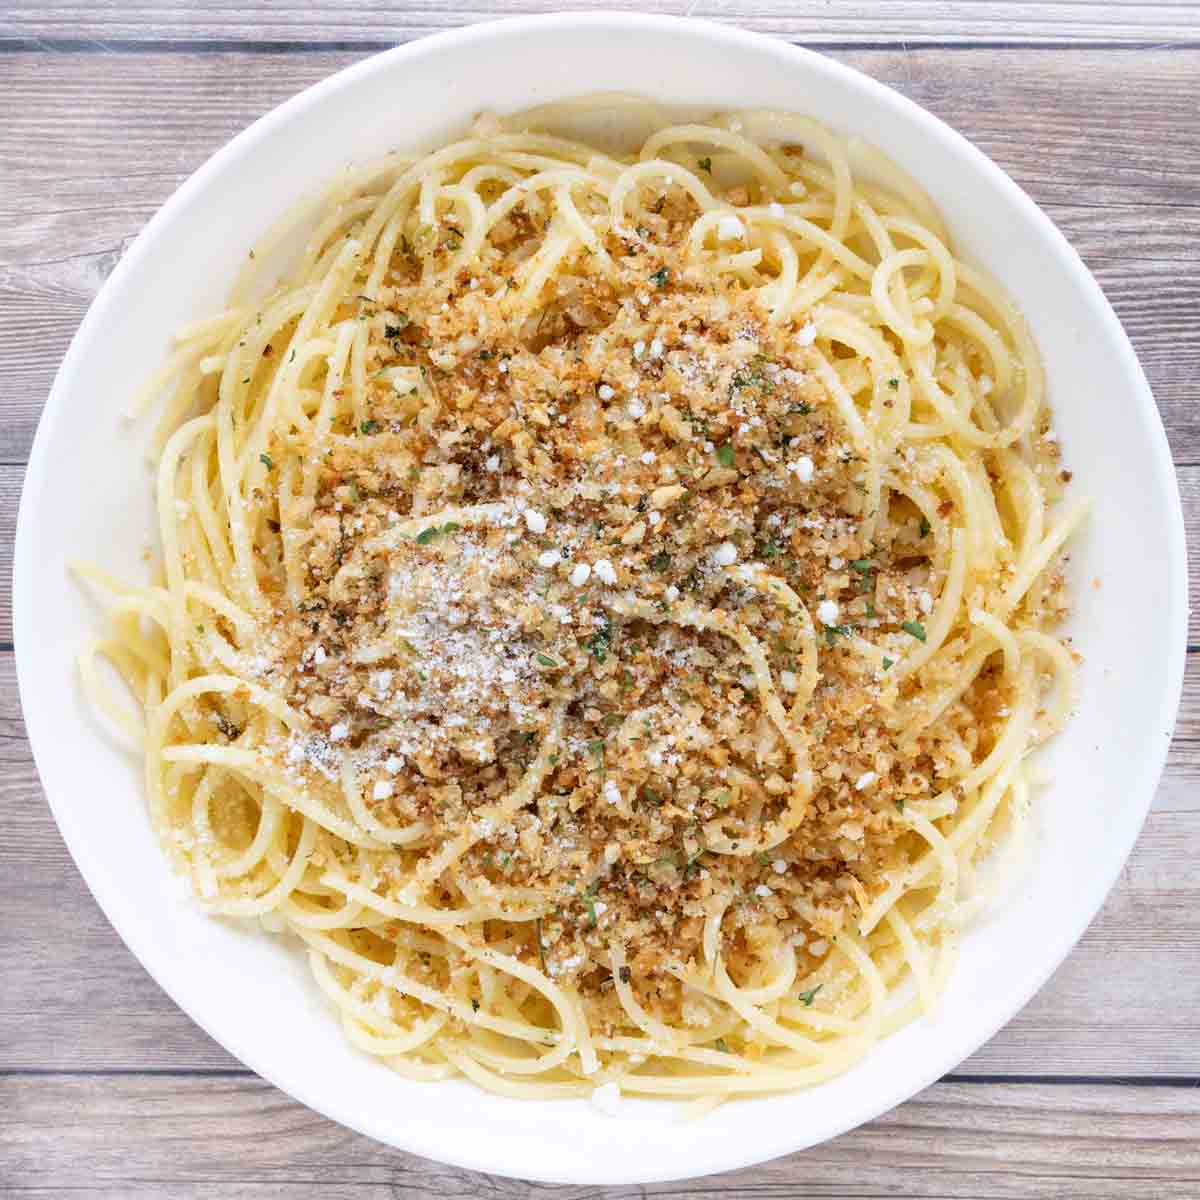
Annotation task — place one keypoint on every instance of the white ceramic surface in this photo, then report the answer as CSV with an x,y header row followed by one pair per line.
x,y
87,494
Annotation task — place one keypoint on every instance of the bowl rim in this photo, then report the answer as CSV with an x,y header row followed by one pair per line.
x,y
459,1151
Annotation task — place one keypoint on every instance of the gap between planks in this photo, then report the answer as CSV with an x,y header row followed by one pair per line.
x,y
128,46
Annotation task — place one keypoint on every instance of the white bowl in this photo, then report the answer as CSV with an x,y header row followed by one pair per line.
x,y
87,494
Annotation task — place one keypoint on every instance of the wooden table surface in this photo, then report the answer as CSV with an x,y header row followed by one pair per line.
x,y
107,1089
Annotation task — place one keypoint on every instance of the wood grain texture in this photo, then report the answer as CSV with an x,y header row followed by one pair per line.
x,y
1124,1003
816,22
238,1137
1100,139
92,143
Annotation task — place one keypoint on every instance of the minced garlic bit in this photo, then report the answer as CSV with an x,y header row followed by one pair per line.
x,y
827,612
802,468
604,571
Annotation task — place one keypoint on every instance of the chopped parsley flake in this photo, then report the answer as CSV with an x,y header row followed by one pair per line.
x,y
915,628
600,643
427,535
752,376
725,454
589,898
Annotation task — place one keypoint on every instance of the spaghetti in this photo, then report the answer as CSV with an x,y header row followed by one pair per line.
x,y
606,604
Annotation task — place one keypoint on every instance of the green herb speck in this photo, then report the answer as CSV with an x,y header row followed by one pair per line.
x,y
600,643
427,535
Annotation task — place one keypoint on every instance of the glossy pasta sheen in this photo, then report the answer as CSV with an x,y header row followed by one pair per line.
x,y
815,901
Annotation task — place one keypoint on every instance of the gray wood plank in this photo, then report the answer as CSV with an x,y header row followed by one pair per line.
x,y
10,494
204,1137
806,20
1124,1003
1105,141
1189,495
